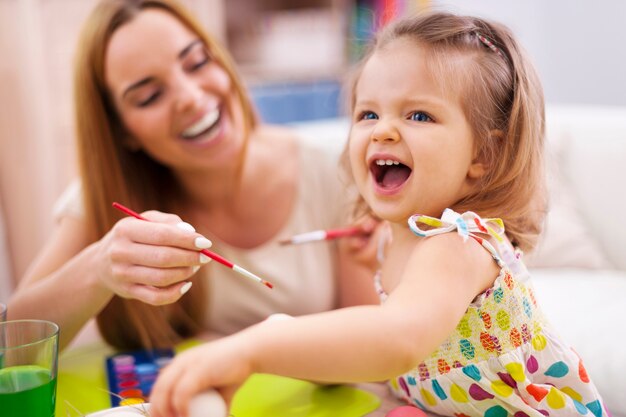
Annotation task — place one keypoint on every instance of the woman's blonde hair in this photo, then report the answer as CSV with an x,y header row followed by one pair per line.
x,y
110,171
503,101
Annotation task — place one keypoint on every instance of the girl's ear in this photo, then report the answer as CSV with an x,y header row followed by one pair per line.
x,y
476,170
481,163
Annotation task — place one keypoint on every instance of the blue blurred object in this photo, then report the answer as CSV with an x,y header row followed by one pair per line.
x,y
293,102
131,375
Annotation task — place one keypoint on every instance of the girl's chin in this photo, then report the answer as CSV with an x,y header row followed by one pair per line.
x,y
390,212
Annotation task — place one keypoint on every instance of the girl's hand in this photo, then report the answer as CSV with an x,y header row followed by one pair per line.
x,y
150,261
222,365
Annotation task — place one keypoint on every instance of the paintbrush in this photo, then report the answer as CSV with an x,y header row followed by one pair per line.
x,y
318,235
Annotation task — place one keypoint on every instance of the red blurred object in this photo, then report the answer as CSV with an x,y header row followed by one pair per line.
x,y
406,411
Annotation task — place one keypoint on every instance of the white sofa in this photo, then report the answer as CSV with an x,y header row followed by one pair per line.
x,y
579,267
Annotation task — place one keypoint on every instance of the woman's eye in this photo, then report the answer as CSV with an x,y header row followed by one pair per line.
x,y
368,115
200,64
420,116
197,58
151,99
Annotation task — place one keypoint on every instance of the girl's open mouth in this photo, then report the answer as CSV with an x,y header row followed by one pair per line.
x,y
389,174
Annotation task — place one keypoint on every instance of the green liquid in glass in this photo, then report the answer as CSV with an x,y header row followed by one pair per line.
x,y
27,391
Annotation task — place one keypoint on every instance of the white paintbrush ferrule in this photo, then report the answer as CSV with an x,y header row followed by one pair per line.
x,y
247,274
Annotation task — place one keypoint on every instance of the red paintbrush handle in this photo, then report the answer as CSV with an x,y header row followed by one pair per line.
x,y
350,231
217,258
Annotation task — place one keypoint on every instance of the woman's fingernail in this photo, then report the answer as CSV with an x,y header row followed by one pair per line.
x,y
195,268
278,317
185,288
204,259
186,227
203,243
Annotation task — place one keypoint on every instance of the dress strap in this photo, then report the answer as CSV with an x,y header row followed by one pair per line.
x,y
466,225
383,240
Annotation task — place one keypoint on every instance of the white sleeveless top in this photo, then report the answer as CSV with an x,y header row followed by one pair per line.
x,y
304,276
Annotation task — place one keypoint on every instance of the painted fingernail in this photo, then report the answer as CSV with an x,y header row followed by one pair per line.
x,y
195,268
185,288
186,227
203,243
278,317
204,259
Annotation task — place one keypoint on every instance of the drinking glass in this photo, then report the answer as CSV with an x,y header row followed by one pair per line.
x,y
28,368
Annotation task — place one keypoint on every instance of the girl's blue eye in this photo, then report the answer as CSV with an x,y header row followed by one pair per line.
x,y
368,115
420,116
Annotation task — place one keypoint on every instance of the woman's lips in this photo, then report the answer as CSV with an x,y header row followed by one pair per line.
x,y
207,123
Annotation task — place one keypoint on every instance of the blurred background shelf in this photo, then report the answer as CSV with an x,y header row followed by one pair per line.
x,y
300,40
294,55
285,102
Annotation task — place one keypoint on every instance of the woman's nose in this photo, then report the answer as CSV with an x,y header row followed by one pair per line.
x,y
385,131
189,94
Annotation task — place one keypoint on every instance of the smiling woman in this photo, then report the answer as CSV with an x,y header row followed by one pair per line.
x,y
164,123
177,102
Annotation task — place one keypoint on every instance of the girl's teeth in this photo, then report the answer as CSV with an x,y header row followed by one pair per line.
x,y
386,162
203,124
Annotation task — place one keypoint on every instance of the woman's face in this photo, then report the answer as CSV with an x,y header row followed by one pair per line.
x,y
177,103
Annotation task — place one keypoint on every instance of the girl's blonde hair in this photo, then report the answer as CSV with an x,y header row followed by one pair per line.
x,y
111,171
503,101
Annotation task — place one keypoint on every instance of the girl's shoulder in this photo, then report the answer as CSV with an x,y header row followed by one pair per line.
x,y
455,252
449,250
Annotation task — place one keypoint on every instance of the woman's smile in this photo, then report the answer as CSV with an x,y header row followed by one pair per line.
x,y
207,123
207,131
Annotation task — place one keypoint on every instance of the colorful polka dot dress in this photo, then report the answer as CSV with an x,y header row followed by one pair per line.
x,y
503,359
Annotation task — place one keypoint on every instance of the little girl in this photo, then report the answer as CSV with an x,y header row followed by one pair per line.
x,y
447,118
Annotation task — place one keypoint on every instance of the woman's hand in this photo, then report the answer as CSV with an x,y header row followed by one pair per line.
x,y
358,262
363,248
222,365
150,261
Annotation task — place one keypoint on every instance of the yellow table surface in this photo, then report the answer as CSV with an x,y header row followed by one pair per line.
x,y
82,389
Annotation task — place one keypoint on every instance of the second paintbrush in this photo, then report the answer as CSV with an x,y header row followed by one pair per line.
x,y
317,235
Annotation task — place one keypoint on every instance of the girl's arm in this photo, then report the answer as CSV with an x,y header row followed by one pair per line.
x,y
371,343
71,280
364,343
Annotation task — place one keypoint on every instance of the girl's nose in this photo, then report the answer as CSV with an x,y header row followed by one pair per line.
x,y
189,95
385,131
